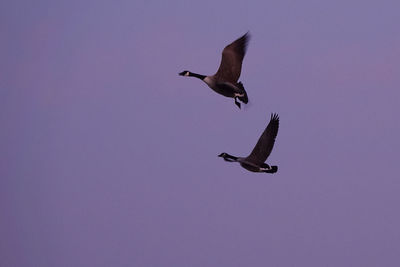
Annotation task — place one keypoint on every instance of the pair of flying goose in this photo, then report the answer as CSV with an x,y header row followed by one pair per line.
x,y
225,82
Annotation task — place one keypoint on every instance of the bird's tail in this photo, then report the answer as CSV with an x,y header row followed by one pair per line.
x,y
244,98
273,169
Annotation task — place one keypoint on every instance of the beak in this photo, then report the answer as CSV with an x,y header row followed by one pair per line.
x,y
182,73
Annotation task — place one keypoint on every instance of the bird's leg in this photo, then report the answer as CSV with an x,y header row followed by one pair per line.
x,y
236,102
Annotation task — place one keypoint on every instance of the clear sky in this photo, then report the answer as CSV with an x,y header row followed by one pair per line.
x,y
109,158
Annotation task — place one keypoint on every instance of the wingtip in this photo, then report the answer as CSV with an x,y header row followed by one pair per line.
x,y
274,117
247,37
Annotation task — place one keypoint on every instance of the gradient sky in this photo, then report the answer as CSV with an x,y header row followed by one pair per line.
x,y
109,158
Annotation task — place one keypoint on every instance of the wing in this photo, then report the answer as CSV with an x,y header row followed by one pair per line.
x,y
231,62
266,142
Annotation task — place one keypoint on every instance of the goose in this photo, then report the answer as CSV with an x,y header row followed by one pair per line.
x,y
255,161
224,81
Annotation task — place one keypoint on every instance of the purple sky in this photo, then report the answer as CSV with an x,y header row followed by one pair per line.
x,y
109,158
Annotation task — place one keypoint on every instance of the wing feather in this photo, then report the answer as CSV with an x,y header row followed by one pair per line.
x,y
231,62
266,142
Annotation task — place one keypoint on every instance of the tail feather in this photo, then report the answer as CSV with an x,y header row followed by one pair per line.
x,y
244,98
273,169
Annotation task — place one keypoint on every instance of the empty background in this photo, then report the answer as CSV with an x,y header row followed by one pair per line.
x,y
109,158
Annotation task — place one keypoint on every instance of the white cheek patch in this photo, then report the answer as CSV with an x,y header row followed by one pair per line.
x,y
187,73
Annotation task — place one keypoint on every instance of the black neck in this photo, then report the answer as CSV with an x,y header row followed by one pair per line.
x,y
230,158
201,77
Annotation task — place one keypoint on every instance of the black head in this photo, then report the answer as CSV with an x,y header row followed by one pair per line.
x,y
223,155
185,73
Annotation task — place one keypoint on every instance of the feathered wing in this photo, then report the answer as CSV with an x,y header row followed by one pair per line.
x,y
266,142
231,62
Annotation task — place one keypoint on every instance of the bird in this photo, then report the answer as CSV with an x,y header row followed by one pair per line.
x,y
225,80
255,162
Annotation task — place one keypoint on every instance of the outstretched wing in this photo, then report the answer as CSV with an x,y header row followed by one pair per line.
x,y
266,142
231,62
